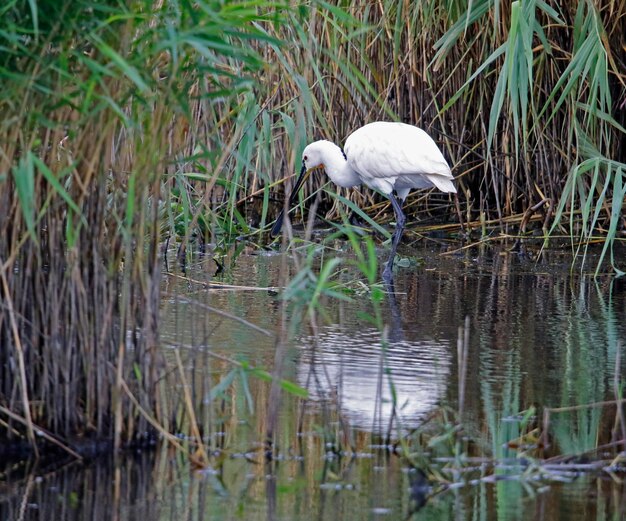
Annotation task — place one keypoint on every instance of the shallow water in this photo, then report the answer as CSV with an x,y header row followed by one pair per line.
x,y
538,335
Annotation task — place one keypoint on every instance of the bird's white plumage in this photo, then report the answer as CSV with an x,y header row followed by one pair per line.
x,y
394,156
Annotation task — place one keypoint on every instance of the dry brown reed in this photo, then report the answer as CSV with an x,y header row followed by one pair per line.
x,y
86,141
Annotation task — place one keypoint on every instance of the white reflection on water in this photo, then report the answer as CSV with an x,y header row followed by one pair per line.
x,y
351,369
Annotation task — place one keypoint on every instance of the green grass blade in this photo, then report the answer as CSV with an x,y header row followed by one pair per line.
x,y
57,186
24,179
355,208
126,68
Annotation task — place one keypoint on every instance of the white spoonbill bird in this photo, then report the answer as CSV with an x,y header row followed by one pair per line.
x,y
386,156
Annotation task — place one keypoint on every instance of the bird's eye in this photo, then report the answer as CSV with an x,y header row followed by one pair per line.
x,y
305,158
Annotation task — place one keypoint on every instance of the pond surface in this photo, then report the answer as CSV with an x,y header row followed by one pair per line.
x,y
466,343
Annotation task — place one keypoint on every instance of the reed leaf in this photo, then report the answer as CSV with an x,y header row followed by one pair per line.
x,y
24,178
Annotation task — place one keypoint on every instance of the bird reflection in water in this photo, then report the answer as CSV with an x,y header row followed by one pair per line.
x,y
361,369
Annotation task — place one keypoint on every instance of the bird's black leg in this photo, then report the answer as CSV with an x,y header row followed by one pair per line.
x,y
397,234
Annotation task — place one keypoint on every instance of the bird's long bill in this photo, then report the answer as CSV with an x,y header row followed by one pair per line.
x,y
292,199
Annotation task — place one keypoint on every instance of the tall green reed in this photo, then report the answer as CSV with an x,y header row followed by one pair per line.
x,y
103,106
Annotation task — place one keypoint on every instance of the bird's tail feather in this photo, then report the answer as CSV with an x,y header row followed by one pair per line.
x,y
443,183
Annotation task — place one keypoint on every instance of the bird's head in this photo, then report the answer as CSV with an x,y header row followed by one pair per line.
x,y
312,155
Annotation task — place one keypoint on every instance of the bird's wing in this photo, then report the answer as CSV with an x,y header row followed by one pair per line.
x,y
385,153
